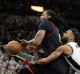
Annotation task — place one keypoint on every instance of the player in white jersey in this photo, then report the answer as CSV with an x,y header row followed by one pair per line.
x,y
70,50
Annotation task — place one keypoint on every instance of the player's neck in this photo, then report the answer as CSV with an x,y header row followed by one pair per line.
x,y
70,40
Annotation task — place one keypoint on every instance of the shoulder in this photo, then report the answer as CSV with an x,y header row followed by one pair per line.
x,y
44,25
64,48
46,22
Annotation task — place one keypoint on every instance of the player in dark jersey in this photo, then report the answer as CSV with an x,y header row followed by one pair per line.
x,y
48,39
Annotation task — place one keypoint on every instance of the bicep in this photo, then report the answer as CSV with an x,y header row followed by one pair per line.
x,y
39,36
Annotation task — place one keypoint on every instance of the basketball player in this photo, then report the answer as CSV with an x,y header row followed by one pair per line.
x,y
47,38
70,50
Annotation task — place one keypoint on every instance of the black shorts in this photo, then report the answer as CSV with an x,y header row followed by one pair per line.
x,y
43,69
57,67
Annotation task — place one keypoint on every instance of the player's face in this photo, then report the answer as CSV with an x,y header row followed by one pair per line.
x,y
68,34
44,16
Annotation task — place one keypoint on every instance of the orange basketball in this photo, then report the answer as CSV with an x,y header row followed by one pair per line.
x,y
13,48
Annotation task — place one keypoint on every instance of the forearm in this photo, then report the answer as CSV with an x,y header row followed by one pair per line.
x,y
48,59
41,61
45,60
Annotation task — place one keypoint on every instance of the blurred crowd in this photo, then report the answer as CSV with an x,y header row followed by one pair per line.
x,y
17,27
14,28
8,65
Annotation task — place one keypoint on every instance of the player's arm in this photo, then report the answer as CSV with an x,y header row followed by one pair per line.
x,y
37,39
57,53
34,44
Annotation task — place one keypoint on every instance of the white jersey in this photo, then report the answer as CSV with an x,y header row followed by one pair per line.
x,y
74,59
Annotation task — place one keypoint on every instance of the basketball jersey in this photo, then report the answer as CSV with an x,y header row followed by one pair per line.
x,y
74,59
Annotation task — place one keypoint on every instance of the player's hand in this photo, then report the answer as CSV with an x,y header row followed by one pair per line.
x,y
24,42
31,49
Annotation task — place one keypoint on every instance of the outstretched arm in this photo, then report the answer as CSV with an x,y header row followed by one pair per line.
x,y
57,53
36,40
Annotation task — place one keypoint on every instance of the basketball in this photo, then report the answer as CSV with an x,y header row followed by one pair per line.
x,y
13,48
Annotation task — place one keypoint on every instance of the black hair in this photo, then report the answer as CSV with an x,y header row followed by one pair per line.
x,y
55,17
52,14
76,34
